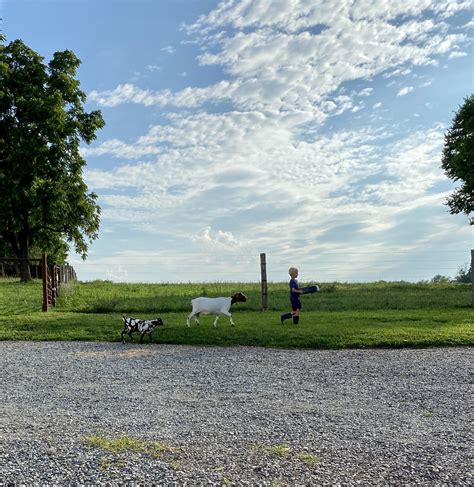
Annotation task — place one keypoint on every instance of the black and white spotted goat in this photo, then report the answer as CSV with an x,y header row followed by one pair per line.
x,y
131,325
215,306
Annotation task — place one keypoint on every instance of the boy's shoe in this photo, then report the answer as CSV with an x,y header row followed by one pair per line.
x,y
285,316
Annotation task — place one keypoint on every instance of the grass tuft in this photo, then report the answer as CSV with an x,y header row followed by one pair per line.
x,y
308,458
115,445
280,450
121,444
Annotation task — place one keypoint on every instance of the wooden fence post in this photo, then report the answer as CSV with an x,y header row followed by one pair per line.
x,y
263,272
472,275
44,275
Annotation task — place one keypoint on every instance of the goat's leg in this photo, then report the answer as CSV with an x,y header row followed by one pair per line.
x,y
227,313
196,315
151,339
215,321
130,335
141,337
121,336
189,317
196,319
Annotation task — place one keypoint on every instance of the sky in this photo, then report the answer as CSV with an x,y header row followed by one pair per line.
x,y
310,130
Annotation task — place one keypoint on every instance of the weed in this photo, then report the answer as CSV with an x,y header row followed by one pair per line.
x,y
115,445
257,447
159,448
307,458
124,443
281,450
175,465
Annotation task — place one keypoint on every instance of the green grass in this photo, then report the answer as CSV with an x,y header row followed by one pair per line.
x,y
284,450
105,297
115,445
125,443
341,316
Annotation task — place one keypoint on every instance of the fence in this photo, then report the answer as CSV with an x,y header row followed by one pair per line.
x,y
53,277
339,265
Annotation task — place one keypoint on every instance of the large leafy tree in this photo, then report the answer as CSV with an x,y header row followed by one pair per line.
x,y
458,158
43,197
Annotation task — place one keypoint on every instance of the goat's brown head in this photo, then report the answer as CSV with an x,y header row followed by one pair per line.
x,y
238,297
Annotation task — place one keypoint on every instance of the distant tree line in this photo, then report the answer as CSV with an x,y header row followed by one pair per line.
x,y
464,275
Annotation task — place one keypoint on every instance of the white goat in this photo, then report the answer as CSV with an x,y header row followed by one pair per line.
x,y
214,306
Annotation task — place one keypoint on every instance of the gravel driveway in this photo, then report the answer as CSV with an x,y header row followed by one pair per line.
x,y
233,416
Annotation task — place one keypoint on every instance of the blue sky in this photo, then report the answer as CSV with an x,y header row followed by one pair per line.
x,y
309,130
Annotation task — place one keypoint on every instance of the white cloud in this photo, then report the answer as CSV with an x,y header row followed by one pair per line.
x,y
425,84
365,92
153,68
397,72
405,90
457,54
168,49
217,240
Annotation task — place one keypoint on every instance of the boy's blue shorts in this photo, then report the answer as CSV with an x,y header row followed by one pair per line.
x,y
295,304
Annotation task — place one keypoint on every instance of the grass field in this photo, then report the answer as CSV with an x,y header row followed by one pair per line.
x,y
340,316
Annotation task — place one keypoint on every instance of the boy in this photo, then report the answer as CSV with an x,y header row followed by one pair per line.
x,y
295,292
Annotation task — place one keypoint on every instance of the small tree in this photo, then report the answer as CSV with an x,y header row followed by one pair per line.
x,y
42,121
439,279
464,274
458,158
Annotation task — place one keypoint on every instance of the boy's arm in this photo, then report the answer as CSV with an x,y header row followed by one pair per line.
x,y
296,290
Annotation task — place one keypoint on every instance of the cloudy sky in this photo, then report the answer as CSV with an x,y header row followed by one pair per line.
x,y
310,130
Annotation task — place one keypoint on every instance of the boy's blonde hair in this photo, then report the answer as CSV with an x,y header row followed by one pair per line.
x,y
292,270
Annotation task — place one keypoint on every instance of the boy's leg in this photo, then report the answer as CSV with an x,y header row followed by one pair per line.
x,y
296,316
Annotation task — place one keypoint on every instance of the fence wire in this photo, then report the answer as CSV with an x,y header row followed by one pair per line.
x,y
349,266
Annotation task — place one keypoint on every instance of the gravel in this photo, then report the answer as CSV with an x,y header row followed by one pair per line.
x,y
233,416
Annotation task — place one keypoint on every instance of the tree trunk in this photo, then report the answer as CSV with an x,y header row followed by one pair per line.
x,y
20,244
25,274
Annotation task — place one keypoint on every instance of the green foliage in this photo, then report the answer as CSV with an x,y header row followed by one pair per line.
x,y
115,445
458,158
45,201
308,458
464,274
438,279
56,249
